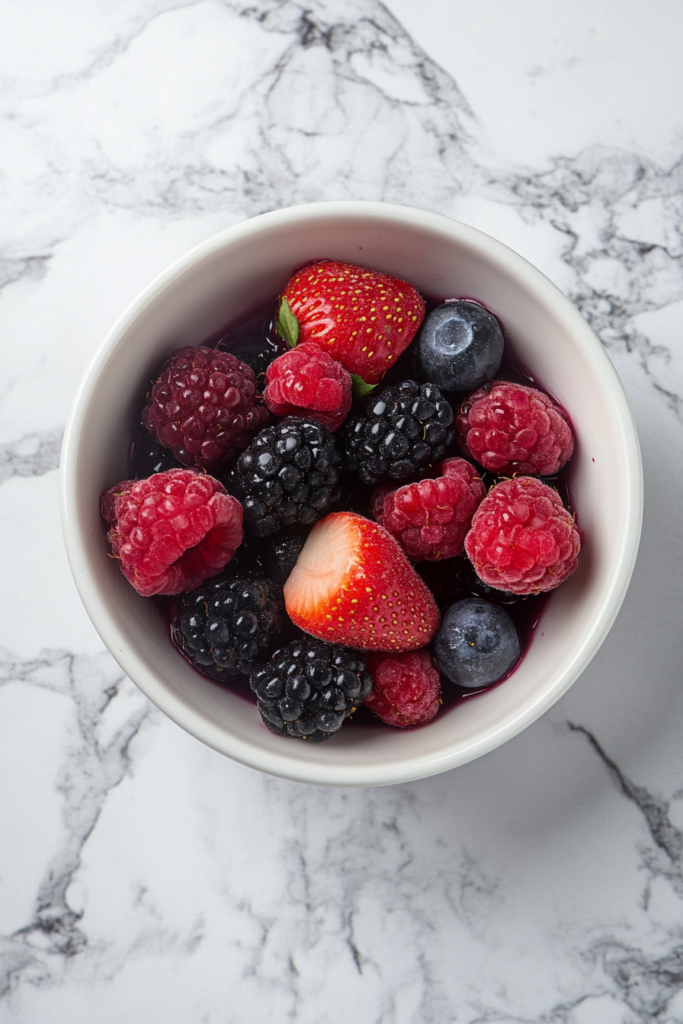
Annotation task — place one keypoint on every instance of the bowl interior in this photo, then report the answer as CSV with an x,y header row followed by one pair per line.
x,y
242,268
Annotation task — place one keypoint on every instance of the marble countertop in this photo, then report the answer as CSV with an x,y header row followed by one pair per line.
x,y
144,877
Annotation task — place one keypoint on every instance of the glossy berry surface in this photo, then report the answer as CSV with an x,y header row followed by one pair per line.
x,y
509,429
172,531
522,538
228,623
308,382
150,456
406,690
309,688
204,407
363,318
476,644
460,346
430,519
353,585
404,432
289,475
281,551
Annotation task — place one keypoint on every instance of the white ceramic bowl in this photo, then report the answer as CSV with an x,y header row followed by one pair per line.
x,y
242,267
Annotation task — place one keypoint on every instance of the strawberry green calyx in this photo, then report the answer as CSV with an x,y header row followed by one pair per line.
x,y
287,325
360,388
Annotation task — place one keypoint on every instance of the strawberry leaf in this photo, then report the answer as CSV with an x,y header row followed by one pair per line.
x,y
287,325
360,388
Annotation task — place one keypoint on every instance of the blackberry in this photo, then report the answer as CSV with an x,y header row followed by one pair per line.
x,y
229,622
150,457
405,430
289,474
281,551
309,688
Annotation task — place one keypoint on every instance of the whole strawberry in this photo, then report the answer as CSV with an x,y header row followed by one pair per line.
x,y
363,318
407,688
308,382
510,428
353,585
204,408
430,519
173,530
522,538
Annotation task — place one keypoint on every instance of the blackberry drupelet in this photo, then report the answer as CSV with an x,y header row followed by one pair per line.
x,y
150,456
229,622
281,552
405,430
308,688
289,474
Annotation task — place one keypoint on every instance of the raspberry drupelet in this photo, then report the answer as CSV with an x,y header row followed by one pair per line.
x,y
308,382
430,519
407,689
510,428
522,538
204,407
172,531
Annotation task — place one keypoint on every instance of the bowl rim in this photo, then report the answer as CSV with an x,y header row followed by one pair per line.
x,y
417,766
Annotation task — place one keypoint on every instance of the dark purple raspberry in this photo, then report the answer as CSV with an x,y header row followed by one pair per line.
x,y
204,407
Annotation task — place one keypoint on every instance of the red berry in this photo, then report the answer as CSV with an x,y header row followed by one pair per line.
x,y
307,381
509,428
523,539
353,585
407,688
203,407
430,519
173,530
364,319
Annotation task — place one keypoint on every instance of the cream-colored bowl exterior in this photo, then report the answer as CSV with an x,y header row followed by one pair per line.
x,y
250,263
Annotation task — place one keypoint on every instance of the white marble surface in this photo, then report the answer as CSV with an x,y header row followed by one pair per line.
x,y
142,876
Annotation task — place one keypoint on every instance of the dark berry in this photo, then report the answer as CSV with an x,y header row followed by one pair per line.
x,y
281,551
404,433
289,475
476,644
309,688
204,407
229,623
460,346
257,344
150,457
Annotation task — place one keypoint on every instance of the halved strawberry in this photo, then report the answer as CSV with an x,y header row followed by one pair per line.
x,y
353,585
364,319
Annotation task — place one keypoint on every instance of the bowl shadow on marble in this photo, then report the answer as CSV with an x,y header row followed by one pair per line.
x,y
236,271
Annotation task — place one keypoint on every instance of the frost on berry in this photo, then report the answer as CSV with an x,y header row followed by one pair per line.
x,y
509,428
407,688
307,381
204,407
172,531
430,519
522,538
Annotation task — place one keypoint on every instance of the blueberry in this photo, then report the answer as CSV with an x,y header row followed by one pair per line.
x,y
477,643
460,346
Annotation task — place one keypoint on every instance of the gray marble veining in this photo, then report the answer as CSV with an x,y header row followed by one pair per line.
x,y
143,877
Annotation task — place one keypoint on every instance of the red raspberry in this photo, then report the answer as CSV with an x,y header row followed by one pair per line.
x,y
203,407
522,538
307,381
511,429
430,519
173,530
407,688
